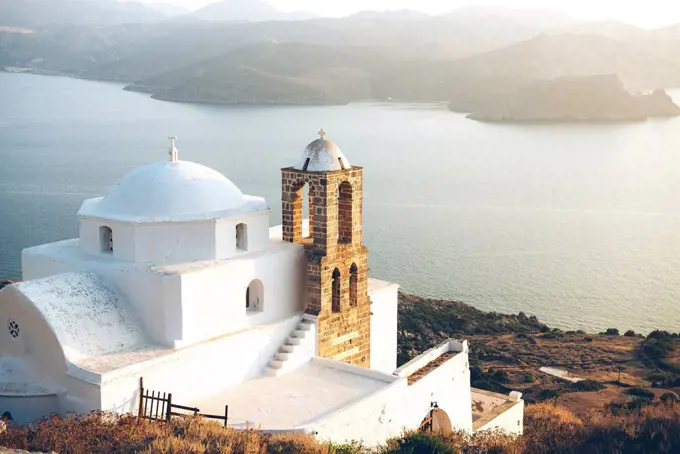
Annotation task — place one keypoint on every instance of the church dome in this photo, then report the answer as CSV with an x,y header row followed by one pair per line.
x,y
168,191
322,155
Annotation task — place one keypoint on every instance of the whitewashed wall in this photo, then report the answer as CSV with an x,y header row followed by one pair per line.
x,y
371,420
175,242
155,297
449,386
257,234
510,421
214,298
39,349
198,371
384,327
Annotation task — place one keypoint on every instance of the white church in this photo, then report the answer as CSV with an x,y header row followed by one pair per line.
x,y
177,277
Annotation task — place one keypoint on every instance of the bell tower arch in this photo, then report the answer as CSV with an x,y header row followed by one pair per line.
x,y
337,260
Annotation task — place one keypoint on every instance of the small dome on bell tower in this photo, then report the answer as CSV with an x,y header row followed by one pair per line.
x,y
322,155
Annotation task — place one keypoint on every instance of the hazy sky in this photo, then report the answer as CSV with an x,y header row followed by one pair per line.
x,y
644,13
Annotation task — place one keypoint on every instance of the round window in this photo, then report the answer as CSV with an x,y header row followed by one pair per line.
x,y
13,328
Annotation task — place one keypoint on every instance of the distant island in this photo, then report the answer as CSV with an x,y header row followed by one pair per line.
x,y
573,99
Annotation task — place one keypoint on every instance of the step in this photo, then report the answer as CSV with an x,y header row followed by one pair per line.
x,y
285,348
305,326
270,371
299,333
276,364
293,341
282,356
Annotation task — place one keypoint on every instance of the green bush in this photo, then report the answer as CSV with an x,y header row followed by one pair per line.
x,y
529,378
421,443
547,394
611,332
657,377
670,397
630,333
587,385
640,392
501,376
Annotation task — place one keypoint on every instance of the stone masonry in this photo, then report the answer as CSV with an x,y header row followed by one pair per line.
x,y
334,246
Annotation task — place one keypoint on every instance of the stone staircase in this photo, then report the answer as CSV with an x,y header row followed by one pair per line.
x,y
296,350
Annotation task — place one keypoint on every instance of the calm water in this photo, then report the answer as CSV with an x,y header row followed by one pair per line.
x,y
577,224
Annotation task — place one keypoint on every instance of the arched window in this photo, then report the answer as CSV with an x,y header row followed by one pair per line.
x,y
255,296
106,239
335,300
345,213
242,237
353,279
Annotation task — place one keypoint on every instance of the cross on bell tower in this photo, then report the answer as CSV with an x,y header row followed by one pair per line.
x,y
173,152
337,259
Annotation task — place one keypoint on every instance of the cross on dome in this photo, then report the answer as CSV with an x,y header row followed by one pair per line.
x,y
173,152
322,133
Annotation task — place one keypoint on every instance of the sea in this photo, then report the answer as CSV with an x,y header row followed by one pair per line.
x,y
578,224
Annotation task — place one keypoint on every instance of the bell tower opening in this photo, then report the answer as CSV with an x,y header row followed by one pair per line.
x,y
345,213
337,259
336,297
353,277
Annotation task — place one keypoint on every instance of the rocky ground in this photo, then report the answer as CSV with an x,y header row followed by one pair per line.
x,y
508,351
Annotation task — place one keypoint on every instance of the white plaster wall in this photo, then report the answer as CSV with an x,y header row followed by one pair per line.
x,y
371,420
123,239
38,347
201,370
213,298
449,386
173,242
510,421
154,297
384,328
258,233
27,409
37,344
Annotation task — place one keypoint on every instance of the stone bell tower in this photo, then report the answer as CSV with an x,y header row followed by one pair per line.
x,y
337,260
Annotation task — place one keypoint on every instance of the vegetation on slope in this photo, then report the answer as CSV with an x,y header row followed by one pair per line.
x,y
653,428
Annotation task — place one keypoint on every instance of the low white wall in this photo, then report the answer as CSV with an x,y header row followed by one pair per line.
x,y
511,421
198,371
371,420
448,386
27,409
384,327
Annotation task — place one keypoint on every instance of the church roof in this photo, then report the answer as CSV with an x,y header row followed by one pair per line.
x,y
322,155
171,191
88,318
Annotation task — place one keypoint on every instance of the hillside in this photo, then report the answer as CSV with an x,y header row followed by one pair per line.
x,y
271,74
40,14
593,98
127,53
575,55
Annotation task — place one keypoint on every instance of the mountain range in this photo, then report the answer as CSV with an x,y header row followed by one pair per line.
x,y
244,51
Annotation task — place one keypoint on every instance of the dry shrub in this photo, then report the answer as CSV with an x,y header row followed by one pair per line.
x,y
548,429
650,429
440,443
